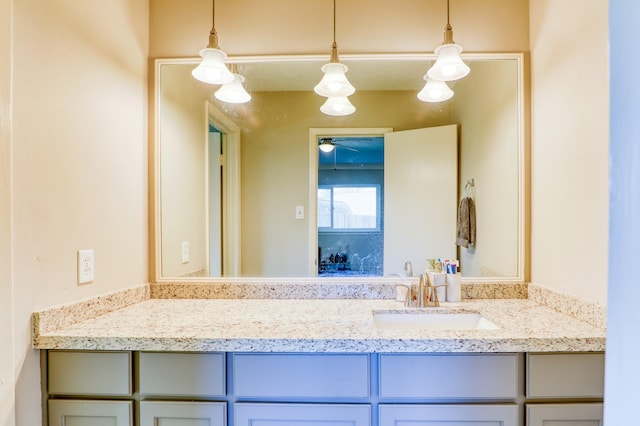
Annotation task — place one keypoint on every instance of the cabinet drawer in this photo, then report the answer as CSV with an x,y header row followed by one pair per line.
x,y
154,413
302,414
565,375
89,373
450,376
182,374
301,376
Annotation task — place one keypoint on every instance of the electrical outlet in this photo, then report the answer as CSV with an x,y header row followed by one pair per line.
x,y
185,252
86,272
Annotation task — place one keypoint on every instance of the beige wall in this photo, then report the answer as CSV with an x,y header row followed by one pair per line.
x,y
486,104
183,184
79,160
292,26
7,375
570,107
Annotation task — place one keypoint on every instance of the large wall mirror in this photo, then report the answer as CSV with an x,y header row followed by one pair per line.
x,y
235,185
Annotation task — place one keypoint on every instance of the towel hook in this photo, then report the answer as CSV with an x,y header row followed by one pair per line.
x,y
469,186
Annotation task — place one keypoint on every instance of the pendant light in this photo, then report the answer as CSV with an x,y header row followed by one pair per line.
x,y
335,84
435,91
338,105
448,66
212,69
233,92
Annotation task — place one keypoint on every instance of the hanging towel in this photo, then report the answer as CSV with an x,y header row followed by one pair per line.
x,y
466,227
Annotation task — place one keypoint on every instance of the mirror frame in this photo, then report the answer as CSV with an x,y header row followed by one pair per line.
x,y
155,235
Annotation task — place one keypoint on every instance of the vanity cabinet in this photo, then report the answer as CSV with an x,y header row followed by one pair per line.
x,y
89,388
564,389
413,388
285,384
165,379
122,388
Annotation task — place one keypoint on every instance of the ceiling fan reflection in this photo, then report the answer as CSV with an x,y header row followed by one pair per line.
x,y
329,144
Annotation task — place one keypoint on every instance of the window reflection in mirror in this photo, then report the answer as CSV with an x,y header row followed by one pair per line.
x,y
350,213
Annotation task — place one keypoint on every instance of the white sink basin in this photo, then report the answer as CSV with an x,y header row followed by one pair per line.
x,y
431,320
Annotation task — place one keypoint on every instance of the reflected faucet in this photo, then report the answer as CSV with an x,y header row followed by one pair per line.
x,y
408,268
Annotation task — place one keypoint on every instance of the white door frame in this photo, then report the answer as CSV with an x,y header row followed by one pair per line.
x,y
314,134
231,213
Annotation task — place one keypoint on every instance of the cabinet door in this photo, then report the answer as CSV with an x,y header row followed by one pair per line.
x,y
248,414
448,415
564,414
90,413
183,413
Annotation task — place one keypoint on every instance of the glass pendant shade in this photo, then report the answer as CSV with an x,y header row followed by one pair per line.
x,y
233,92
334,83
212,69
338,106
435,91
448,66
326,146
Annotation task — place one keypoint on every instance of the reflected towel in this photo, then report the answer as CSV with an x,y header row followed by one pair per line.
x,y
466,227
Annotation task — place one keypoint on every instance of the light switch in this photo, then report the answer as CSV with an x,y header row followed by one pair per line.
x,y
185,252
299,212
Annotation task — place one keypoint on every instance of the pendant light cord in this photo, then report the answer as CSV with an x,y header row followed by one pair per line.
x,y
213,35
334,46
448,23
334,21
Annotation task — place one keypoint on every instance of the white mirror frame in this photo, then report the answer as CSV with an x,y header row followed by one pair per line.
x,y
233,227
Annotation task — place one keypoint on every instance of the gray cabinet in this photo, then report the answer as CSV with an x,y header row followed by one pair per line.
x,y
90,413
99,388
564,389
249,414
452,414
154,413
569,414
97,374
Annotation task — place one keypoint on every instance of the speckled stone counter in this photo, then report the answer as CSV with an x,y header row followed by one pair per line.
x,y
277,325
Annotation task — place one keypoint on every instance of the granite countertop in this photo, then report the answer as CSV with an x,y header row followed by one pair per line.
x,y
276,325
